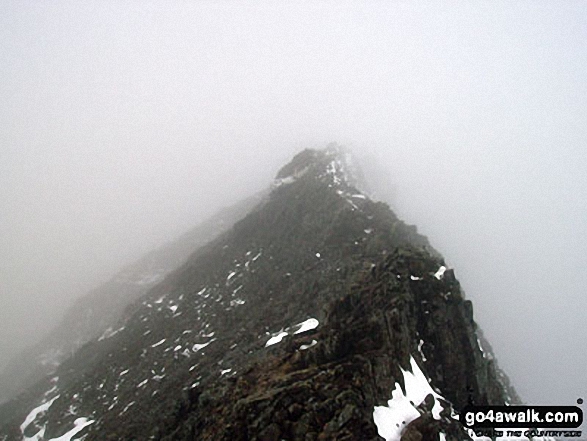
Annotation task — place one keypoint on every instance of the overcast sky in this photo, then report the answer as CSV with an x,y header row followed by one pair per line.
x,y
122,124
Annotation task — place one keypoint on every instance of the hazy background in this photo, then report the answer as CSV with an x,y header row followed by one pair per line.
x,y
122,124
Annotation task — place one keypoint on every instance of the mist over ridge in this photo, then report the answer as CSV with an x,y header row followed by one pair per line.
x,y
125,125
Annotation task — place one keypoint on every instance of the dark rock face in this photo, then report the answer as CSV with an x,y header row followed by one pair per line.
x,y
352,293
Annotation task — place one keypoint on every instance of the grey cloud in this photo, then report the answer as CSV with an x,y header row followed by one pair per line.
x,y
125,124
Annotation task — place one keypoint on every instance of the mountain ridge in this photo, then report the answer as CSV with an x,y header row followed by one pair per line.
x,y
231,322
93,314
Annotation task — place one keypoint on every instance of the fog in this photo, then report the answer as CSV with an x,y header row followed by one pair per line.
x,y
123,124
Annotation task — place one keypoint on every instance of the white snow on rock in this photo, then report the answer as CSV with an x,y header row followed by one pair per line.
x,y
304,326
53,389
304,347
391,420
39,436
440,272
308,325
333,171
158,343
198,347
237,302
33,415
399,412
420,350
276,338
80,424
485,354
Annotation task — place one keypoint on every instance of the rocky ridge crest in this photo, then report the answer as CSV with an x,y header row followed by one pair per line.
x,y
297,323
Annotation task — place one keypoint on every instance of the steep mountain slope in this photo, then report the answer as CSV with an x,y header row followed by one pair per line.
x,y
97,312
297,324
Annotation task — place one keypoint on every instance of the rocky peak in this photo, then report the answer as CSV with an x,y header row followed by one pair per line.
x,y
313,318
333,165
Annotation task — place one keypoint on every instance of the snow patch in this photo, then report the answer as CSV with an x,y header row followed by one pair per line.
x,y
35,412
127,407
198,347
79,425
276,338
440,273
308,325
401,409
158,343
420,350
304,347
302,327
481,348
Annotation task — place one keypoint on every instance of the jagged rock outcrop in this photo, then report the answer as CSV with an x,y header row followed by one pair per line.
x,y
297,324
